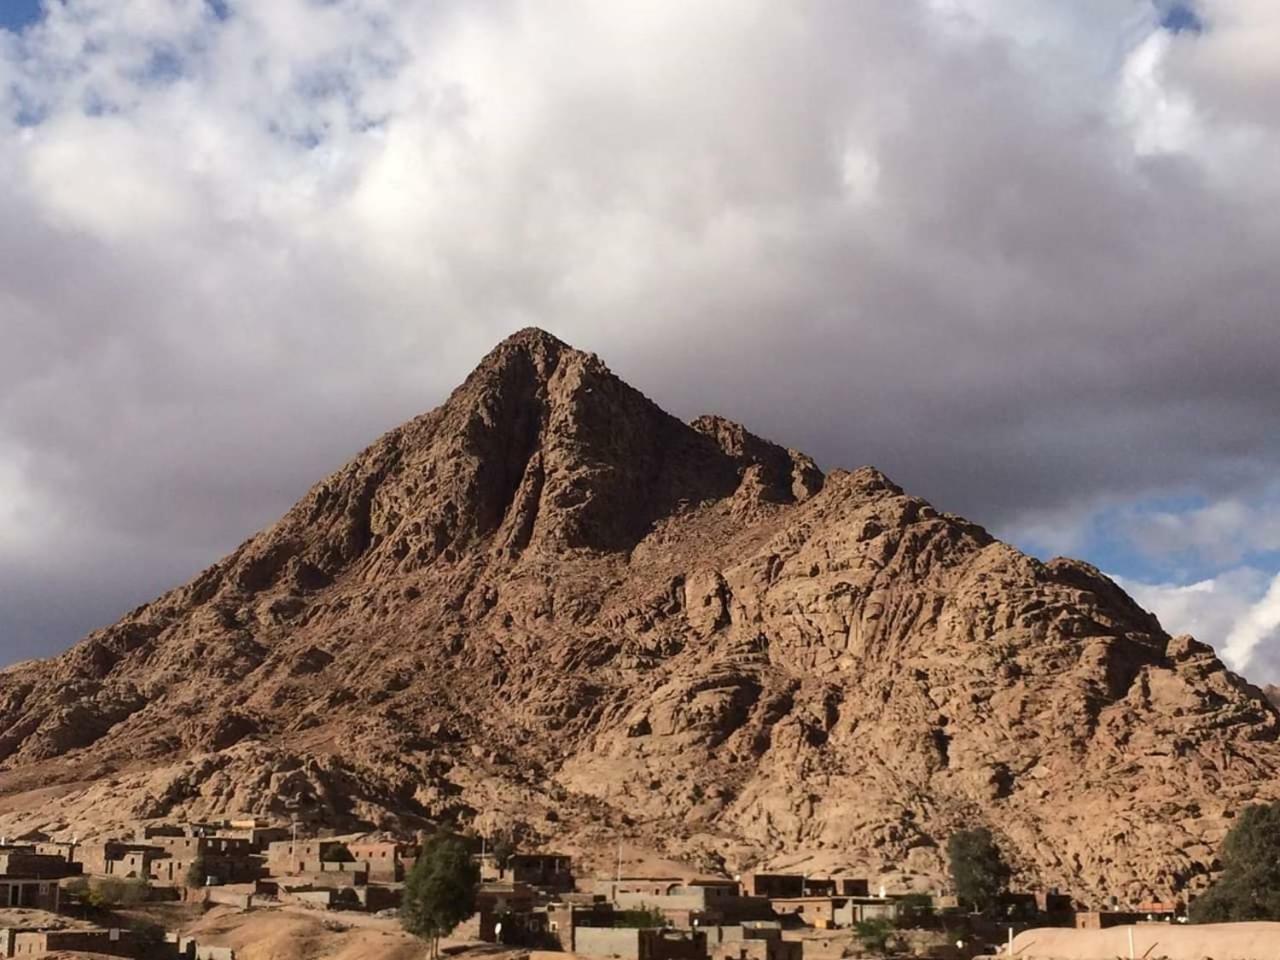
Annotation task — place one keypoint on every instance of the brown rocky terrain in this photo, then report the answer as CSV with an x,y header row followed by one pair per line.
x,y
549,603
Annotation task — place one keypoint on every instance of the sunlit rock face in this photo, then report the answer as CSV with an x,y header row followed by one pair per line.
x,y
549,602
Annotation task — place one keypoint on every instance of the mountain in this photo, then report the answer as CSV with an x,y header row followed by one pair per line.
x,y
549,604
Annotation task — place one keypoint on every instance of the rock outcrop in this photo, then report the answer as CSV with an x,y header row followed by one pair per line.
x,y
549,602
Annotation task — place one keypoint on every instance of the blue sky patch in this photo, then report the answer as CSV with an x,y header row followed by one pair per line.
x,y
1177,17
16,15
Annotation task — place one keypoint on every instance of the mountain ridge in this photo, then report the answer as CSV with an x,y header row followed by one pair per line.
x,y
549,602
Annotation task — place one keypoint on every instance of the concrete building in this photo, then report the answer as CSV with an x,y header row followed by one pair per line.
x,y
383,858
751,930
758,949
683,904
817,912
30,893
611,888
825,913
1103,919
563,920
113,858
549,871
27,862
640,943
38,943
508,903
797,885
771,885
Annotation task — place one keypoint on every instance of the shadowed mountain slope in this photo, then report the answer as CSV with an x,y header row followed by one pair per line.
x,y
549,602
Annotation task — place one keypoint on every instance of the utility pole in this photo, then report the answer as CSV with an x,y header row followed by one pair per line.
x,y
619,863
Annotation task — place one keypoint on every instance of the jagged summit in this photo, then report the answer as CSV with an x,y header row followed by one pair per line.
x,y
549,601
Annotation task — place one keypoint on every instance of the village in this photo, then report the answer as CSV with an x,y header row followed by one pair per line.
x,y
62,897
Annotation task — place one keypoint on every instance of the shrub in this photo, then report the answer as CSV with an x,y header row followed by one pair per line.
x,y
1248,888
875,934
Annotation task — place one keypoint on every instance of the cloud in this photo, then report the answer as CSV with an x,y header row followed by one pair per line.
x,y
1220,533
1018,254
1237,611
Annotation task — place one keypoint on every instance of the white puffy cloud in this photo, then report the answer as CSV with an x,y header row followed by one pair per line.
x,y
1008,251
1237,611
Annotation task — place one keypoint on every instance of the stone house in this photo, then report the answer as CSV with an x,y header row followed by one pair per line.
x,y
563,920
222,859
1102,919
191,847
639,943
26,862
30,893
817,912
684,904
796,885
495,901
38,943
113,858
654,886
549,871
852,910
382,859
825,913
758,949
283,855
771,885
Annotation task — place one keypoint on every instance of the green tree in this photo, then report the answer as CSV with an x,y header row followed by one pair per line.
x,y
639,917
1248,887
978,871
115,892
874,934
197,872
915,905
503,846
440,891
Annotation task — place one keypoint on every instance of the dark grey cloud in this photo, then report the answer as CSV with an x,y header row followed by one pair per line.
x,y
1017,254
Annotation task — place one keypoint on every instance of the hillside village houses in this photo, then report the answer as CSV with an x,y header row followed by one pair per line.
x,y
529,899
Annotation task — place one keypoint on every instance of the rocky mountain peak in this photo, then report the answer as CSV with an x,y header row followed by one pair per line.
x,y
548,601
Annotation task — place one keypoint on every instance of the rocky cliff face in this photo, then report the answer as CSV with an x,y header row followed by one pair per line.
x,y
548,602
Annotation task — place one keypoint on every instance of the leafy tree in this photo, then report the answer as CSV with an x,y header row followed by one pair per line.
x,y
639,917
915,905
978,871
874,934
504,845
1248,888
197,872
440,891
115,892
503,840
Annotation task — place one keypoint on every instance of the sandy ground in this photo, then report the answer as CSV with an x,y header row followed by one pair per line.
x,y
295,933
1221,941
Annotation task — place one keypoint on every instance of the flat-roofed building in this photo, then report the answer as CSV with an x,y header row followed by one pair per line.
x,y
30,893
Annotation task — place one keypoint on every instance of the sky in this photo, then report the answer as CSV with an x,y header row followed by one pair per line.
x,y
1019,254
